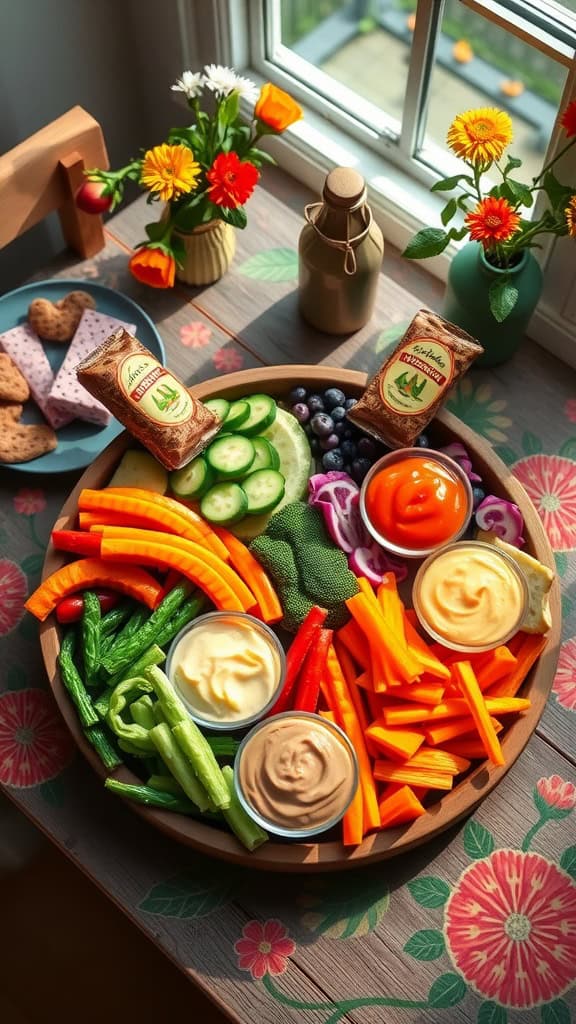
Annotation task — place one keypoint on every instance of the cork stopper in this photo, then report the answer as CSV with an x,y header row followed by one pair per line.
x,y
344,187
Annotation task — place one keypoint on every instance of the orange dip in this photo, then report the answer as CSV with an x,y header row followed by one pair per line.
x,y
416,503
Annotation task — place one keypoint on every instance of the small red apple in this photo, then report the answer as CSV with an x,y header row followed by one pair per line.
x,y
91,199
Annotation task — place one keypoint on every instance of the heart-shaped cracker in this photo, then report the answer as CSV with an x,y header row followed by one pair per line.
x,y
57,321
13,386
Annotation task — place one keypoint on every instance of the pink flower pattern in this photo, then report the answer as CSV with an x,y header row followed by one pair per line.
x,y
550,481
565,681
35,745
29,502
264,948
195,334
13,588
510,927
557,793
227,360
570,409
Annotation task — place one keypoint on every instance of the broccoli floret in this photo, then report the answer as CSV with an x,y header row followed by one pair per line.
x,y
305,565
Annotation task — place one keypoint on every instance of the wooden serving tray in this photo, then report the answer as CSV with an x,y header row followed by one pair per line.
x,y
328,854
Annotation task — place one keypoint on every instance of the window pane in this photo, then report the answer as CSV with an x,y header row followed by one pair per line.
x,y
479,63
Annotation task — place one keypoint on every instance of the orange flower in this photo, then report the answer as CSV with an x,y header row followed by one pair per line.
x,y
154,267
480,136
570,212
462,52
276,109
568,120
493,220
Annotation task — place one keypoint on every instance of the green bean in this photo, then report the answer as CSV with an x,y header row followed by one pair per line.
x,y
115,618
102,704
142,711
126,650
129,748
188,611
91,636
223,746
73,682
153,656
121,696
103,747
243,826
196,748
166,784
150,797
139,616
177,764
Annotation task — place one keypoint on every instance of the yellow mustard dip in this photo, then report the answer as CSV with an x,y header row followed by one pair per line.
x,y
226,668
470,595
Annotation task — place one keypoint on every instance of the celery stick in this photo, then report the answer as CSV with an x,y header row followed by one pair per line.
x,y
223,746
150,797
142,711
102,703
98,738
166,784
199,753
243,826
172,707
130,748
177,764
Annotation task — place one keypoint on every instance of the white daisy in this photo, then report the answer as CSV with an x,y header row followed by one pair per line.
x,y
191,84
222,81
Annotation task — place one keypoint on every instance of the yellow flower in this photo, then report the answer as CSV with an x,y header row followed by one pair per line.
x,y
169,170
480,136
570,212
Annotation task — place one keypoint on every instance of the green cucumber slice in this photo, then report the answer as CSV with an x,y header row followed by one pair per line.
x,y
219,406
231,456
264,489
266,455
194,479
224,504
238,413
262,415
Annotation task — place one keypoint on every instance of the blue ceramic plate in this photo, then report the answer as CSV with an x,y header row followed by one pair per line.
x,y
78,443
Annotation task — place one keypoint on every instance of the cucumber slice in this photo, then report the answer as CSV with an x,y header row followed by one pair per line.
x,y
219,406
231,456
238,413
224,504
262,415
264,489
194,479
266,456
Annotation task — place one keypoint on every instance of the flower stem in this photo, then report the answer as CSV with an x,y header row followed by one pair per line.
x,y
341,1007
532,832
297,1004
553,161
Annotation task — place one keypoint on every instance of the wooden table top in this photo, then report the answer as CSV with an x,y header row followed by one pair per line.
x,y
480,925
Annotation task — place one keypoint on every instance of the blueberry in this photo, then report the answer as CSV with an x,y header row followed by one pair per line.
x,y
348,434
422,441
334,397
478,495
348,449
297,395
340,428
350,403
301,412
315,404
329,443
367,448
359,469
348,468
314,446
322,424
338,413
332,460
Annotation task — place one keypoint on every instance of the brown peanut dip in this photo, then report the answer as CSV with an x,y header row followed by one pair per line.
x,y
297,773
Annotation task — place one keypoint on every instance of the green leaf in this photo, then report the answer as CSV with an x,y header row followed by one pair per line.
x,y
190,894
557,1012
428,242
236,217
390,336
558,194
478,841
447,184
516,192
513,163
458,233
16,679
508,455
155,230
561,560
271,265
425,945
568,861
531,444
32,564
447,990
342,911
502,297
568,449
185,136
259,156
449,211
429,891
491,1013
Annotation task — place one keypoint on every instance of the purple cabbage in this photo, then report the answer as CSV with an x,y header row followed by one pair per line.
x,y
460,455
502,517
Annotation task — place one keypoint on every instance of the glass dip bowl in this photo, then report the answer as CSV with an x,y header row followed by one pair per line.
x,y
228,668
296,774
409,503
477,585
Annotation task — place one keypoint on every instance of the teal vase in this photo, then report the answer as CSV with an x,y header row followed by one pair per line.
x,y
466,301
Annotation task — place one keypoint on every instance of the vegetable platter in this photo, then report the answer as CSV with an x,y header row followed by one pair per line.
x,y
327,852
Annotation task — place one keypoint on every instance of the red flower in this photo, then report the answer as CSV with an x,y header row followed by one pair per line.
x,y
28,502
493,220
195,334
550,481
227,359
35,745
510,925
568,120
557,794
565,682
232,181
13,589
264,948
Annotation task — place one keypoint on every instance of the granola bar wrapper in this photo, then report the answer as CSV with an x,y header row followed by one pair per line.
x,y
412,384
151,402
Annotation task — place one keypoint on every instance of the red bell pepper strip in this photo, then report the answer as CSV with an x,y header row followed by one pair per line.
x,y
308,689
88,573
71,608
78,542
296,654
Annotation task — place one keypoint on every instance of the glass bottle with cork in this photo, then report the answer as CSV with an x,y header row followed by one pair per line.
x,y
340,254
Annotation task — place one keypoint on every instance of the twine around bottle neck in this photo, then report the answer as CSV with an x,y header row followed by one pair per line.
x,y
343,245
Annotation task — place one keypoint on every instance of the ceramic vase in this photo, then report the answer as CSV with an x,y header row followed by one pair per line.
x,y
209,251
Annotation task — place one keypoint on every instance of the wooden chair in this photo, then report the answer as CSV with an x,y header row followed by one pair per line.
x,y
43,173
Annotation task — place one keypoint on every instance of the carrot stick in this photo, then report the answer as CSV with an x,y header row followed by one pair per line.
x,y
439,760
364,681
87,573
192,518
342,706
430,663
366,588
96,520
499,663
439,735
423,693
402,664
154,515
399,806
254,576
388,771
401,743
329,716
464,674
515,642
353,821
392,607
353,639
347,666
455,707
374,702
470,748
526,655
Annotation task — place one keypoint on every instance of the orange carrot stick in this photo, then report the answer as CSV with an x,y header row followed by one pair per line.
x,y
401,743
492,666
329,716
254,576
439,735
398,806
392,607
353,821
402,665
347,666
353,639
470,748
526,655
192,518
464,674
455,707
430,663
423,693
389,771
86,573
438,760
